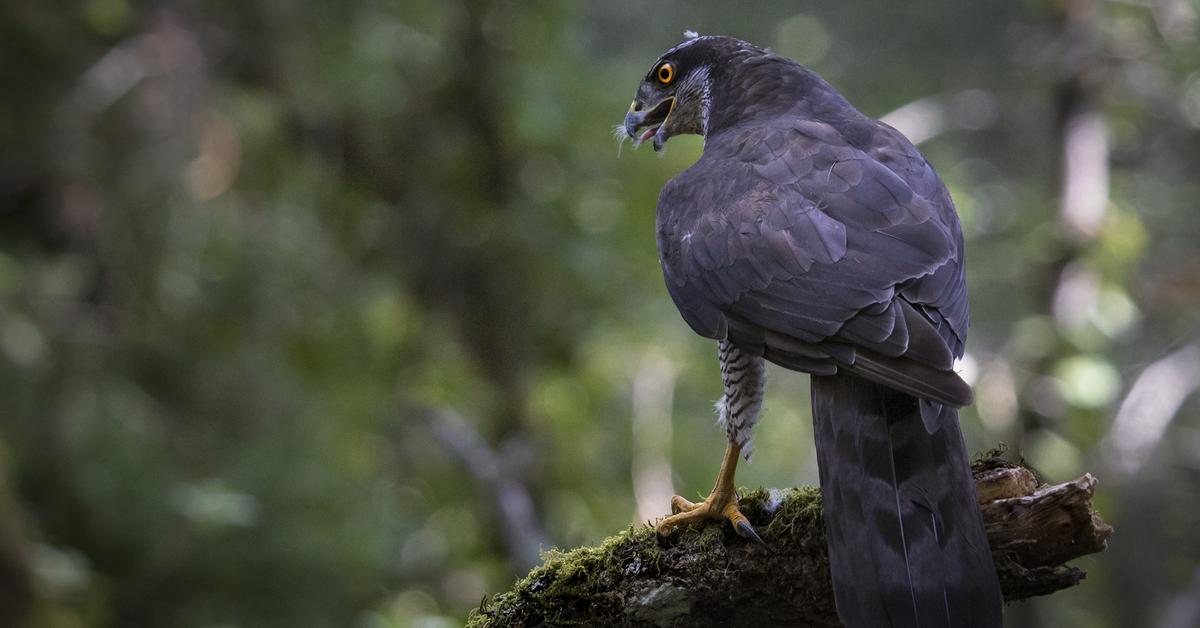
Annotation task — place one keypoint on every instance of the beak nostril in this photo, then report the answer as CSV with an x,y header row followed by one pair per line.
x,y
637,106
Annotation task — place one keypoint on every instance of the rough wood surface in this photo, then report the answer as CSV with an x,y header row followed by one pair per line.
x,y
708,576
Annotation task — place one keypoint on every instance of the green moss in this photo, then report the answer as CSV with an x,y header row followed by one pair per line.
x,y
707,537
799,512
582,586
579,575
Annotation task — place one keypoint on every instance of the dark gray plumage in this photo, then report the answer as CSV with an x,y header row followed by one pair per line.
x,y
822,240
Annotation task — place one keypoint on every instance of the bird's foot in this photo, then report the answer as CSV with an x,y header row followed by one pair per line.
x,y
720,504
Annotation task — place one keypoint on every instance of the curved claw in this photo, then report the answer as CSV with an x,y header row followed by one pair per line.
x,y
744,529
721,503
741,524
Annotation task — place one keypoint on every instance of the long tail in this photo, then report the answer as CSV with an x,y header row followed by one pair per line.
x,y
906,539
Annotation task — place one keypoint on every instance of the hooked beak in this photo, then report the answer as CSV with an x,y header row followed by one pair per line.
x,y
653,119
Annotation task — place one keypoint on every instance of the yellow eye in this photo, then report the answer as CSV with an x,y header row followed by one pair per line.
x,y
665,73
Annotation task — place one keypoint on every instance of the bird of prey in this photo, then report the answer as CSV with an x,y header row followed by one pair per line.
x,y
817,238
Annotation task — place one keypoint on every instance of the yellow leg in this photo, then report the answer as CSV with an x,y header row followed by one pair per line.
x,y
721,503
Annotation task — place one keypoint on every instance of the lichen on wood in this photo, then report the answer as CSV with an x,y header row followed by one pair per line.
x,y
708,576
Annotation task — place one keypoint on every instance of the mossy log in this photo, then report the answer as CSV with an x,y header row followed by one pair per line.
x,y
708,576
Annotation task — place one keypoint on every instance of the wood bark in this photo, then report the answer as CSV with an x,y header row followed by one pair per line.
x,y
708,576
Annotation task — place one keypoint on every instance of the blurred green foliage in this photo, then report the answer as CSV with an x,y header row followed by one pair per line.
x,y
286,287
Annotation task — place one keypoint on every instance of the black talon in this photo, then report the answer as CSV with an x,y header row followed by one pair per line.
x,y
745,529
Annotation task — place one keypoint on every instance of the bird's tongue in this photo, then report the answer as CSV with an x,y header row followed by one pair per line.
x,y
648,133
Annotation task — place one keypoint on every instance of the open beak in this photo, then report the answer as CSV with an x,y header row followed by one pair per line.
x,y
652,120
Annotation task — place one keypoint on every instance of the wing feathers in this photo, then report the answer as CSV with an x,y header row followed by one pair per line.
x,y
914,378
790,228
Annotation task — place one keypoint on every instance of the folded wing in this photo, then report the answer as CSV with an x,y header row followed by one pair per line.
x,y
821,255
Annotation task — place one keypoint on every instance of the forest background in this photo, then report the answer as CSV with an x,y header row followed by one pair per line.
x,y
336,313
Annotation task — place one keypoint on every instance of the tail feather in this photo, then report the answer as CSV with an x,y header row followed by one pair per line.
x,y
905,534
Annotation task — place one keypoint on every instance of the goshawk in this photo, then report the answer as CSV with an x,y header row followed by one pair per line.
x,y
813,236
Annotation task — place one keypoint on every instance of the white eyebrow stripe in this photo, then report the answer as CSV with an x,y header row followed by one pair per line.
x,y
689,42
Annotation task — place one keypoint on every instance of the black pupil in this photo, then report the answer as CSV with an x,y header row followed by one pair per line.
x,y
664,73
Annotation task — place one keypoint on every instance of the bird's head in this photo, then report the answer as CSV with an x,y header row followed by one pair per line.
x,y
709,83
675,96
